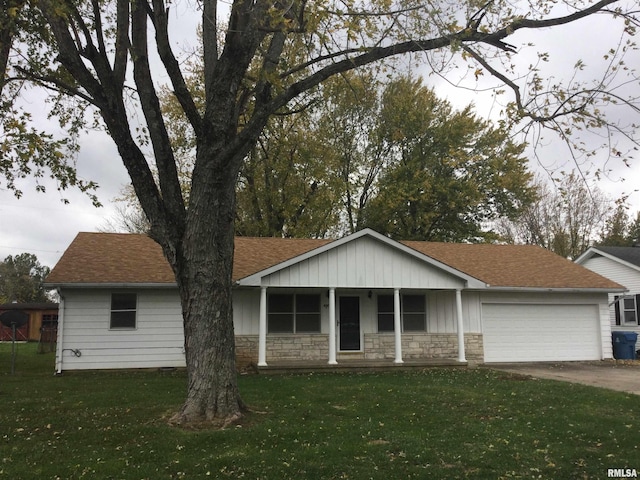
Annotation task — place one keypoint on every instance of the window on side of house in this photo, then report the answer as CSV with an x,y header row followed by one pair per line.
x,y
627,310
293,313
123,311
412,311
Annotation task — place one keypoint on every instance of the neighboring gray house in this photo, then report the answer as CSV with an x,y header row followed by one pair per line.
x,y
362,297
622,265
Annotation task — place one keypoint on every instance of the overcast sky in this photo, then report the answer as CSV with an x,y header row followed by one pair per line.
x,y
41,224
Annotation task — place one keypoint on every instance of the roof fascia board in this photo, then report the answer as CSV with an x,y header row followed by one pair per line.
x,y
587,255
559,290
110,285
255,278
593,251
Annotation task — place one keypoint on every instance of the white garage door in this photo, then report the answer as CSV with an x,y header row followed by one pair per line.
x,y
538,333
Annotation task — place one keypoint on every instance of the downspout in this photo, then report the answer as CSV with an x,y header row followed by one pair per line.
x,y
60,336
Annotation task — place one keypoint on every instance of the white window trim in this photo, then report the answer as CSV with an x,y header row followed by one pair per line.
x,y
111,310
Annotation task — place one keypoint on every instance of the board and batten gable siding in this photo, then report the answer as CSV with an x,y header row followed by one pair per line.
x,y
362,263
441,312
157,341
596,302
246,311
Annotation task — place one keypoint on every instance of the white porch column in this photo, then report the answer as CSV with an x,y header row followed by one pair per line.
x,y
460,324
397,326
262,329
60,339
332,326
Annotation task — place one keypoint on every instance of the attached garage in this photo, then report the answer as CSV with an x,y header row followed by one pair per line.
x,y
540,332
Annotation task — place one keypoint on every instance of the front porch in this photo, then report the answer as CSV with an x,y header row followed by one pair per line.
x,y
363,294
347,323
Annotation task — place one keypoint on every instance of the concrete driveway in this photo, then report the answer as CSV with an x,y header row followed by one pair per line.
x,y
624,377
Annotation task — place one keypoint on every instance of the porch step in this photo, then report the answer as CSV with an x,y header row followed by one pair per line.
x,y
356,365
348,356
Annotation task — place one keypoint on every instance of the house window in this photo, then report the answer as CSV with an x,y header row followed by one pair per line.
x,y
412,313
123,310
627,310
307,313
49,319
293,313
385,313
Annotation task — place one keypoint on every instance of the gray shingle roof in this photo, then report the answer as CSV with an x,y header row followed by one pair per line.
x,y
626,254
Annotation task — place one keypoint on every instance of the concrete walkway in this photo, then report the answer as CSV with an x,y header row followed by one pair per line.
x,y
611,374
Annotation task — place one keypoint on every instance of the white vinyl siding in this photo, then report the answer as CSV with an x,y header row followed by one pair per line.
x,y
157,341
246,310
625,275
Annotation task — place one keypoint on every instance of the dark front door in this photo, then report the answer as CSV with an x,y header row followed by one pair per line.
x,y
349,323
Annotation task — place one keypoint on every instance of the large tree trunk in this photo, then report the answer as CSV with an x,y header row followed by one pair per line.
x,y
204,266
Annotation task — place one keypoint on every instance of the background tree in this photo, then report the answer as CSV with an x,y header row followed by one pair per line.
x,y
21,279
96,56
566,218
347,125
621,230
283,188
449,173
633,232
319,169
129,216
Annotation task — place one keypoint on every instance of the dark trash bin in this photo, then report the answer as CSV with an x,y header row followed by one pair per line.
x,y
624,345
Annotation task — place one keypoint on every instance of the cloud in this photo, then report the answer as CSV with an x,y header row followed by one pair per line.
x,y
40,223
587,42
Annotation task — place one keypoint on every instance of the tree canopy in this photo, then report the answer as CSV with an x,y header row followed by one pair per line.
x,y
566,217
389,155
22,278
449,173
100,57
621,229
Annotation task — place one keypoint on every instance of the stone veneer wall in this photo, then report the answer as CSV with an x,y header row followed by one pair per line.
x,y
246,350
283,347
298,347
422,345
377,346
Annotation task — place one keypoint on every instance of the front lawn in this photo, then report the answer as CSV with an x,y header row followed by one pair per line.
x,y
436,423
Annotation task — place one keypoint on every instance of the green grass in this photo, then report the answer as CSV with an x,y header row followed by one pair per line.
x,y
436,423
